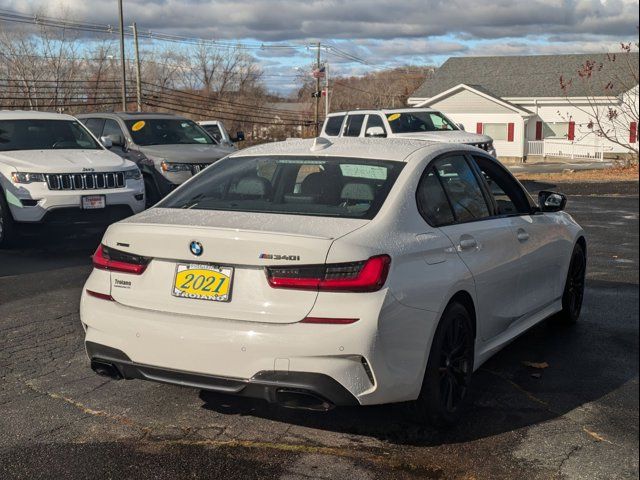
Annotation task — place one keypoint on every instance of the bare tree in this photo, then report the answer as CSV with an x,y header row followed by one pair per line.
x,y
614,121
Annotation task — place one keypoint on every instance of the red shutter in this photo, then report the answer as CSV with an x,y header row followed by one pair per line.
x,y
478,127
633,132
510,131
538,130
572,131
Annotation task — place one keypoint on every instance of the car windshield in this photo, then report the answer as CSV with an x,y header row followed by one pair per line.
x,y
320,186
167,131
45,135
415,122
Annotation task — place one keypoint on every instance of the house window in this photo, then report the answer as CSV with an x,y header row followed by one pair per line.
x,y
497,131
555,130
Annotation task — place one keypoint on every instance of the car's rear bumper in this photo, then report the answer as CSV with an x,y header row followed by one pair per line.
x,y
309,390
378,359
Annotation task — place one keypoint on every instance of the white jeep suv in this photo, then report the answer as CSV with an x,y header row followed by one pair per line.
x,y
409,123
54,171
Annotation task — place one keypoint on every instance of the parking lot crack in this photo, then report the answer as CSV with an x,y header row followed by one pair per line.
x,y
569,454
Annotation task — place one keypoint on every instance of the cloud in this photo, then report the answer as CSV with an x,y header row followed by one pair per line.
x,y
280,20
382,32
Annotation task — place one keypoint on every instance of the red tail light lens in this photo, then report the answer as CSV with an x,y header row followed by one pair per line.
x,y
107,258
365,276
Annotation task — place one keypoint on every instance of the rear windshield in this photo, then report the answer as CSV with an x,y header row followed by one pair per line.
x,y
328,187
167,131
45,135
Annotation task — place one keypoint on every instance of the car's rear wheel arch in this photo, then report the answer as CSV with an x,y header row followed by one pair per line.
x,y
464,298
583,243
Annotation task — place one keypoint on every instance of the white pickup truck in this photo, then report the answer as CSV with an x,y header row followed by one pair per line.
x,y
216,129
413,123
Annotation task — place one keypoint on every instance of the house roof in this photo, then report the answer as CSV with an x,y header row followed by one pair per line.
x,y
532,75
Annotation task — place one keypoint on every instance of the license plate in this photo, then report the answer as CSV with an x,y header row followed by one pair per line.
x,y
203,282
92,202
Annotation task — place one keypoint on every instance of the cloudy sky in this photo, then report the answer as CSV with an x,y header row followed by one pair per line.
x,y
384,33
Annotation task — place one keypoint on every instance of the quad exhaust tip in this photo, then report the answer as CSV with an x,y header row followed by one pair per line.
x,y
106,369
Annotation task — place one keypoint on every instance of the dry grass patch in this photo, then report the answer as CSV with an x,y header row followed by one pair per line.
x,y
613,174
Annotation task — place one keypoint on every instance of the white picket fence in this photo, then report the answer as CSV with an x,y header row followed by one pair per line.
x,y
565,149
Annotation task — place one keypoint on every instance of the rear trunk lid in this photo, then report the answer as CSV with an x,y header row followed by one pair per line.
x,y
246,242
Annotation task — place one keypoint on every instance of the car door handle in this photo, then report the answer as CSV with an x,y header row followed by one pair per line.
x,y
467,243
523,236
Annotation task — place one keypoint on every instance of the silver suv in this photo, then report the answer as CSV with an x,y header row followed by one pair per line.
x,y
167,148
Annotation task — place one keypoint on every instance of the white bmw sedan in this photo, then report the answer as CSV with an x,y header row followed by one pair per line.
x,y
313,274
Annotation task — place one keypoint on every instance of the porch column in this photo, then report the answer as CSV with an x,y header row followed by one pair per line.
x,y
523,146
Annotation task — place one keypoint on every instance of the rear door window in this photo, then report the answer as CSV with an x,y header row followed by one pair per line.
x,y
432,201
462,188
354,125
320,186
333,126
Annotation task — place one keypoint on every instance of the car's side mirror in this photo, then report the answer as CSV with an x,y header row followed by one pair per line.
x,y
551,201
106,142
460,126
375,132
116,140
239,137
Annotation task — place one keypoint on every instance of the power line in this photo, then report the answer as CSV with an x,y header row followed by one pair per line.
x,y
150,88
204,98
181,109
181,101
17,17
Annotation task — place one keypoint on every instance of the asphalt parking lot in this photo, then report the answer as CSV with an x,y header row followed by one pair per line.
x,y
575,419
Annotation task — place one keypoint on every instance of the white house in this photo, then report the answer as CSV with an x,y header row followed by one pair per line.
x,y
518,100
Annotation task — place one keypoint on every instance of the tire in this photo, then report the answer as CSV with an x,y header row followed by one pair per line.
x,y
574,287
151,194
449,368
8,234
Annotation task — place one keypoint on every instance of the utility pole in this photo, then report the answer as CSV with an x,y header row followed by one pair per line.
x,y
317,95
326,87
138,78
122,59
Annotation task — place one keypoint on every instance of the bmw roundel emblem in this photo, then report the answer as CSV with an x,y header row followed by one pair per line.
x,y
196,248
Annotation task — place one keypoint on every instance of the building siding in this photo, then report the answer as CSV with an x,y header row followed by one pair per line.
x,y
466,101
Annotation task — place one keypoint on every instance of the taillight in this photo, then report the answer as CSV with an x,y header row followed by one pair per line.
x,y
107,258
365,276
